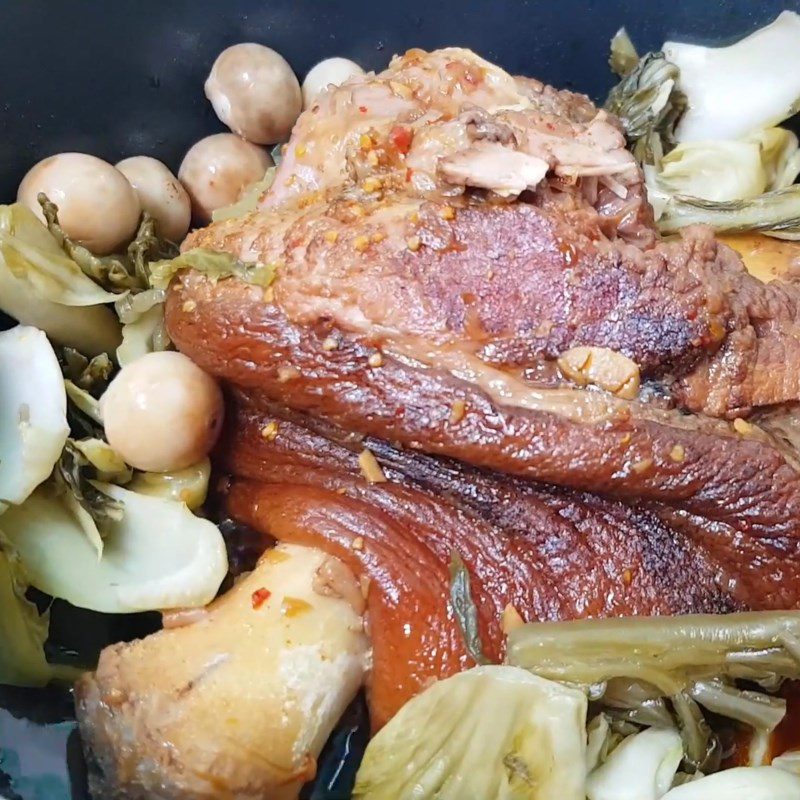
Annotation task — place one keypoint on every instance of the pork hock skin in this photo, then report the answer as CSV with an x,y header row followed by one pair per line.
x,y
469,286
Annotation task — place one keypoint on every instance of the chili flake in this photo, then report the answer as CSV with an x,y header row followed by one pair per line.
x,y
259,597
400,137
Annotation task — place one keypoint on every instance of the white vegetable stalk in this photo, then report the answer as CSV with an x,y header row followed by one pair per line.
x,y
189,486
642,767
788,762
780,156
158,556
41,286
107,461
597,734
733,91
714,170
729,170
143,331
758,751
33,412
740,783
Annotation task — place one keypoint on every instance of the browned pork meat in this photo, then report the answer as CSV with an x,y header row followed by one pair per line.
x,y
468,283
436,122
456,405
387,223
533,552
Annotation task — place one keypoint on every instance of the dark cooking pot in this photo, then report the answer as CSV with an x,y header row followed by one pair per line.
x,y
126,78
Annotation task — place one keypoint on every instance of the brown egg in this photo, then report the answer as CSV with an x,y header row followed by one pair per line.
x,y
161,195
254,92
216,170
162,412
96,205
330,72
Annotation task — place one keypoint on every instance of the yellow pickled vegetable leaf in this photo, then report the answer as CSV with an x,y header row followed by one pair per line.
x,y
213,265
30,253
492,732
23,631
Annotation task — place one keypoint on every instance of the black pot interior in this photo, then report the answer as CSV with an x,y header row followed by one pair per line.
x,y
126,78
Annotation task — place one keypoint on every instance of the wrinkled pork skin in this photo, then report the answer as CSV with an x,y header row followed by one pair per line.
x,y
743,482
441,234
415,303
551,554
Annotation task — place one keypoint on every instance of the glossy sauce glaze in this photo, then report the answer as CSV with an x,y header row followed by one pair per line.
x,y
532,552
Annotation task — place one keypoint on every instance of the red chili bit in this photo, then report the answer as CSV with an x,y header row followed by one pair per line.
x,y
362,109
259,597
400,136
409,173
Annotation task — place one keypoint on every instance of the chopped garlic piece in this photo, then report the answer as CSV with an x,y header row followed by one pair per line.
x,y
370,468
512,619
600,366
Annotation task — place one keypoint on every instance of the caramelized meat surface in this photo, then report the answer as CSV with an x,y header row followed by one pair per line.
x,y
382,221
469,284
541,552
735,475
464,262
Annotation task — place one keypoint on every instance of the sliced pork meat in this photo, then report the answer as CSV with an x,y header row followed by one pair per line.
x,y
491,165
709,522
516,285
757,363
390,215
471,273
511,284
397,129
